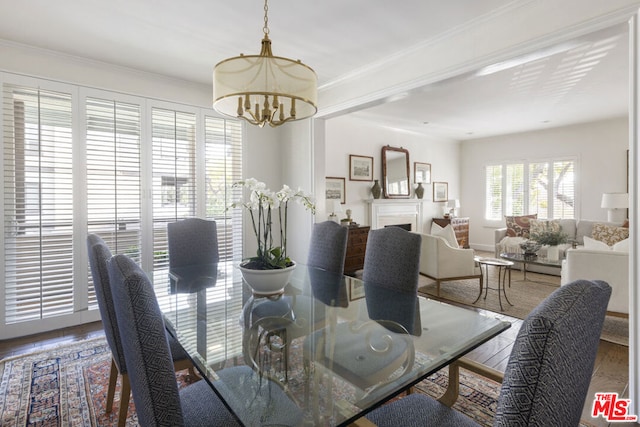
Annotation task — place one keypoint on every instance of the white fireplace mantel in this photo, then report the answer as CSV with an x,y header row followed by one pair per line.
x,y
383,212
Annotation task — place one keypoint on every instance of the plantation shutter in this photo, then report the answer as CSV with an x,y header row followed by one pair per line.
x,y
514,190
493,192
564,190
173,142
38,203
113,176
223,148
223,152
539,189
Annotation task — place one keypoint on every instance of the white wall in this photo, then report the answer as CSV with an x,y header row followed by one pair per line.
x,y
346,135
601,150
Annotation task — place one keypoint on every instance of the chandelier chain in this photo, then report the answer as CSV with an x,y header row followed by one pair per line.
x,y
265,29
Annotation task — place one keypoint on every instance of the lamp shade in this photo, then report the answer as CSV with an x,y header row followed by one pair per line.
x,y
615,201
453,204
251,80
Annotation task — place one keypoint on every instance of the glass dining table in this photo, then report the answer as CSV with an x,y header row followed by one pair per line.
x,y
335,346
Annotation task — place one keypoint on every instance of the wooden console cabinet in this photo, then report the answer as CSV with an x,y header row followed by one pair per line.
x,y
460,227
356,247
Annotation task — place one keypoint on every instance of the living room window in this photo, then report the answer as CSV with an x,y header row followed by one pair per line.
x,y
545,188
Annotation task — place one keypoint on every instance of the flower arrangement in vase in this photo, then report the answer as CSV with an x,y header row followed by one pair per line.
x,y
271,256
551,239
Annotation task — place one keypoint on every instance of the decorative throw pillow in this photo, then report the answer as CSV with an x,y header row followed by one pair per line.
x,y
610,234
518,226
446,232
538,226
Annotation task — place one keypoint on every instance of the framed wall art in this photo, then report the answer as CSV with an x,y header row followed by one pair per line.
x,y
422,173
440,191
360,168
335,189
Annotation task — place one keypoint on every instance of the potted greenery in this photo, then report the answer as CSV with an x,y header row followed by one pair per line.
x,y
268,272
551,239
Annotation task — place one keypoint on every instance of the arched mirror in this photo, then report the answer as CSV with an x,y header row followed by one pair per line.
x,y
395,173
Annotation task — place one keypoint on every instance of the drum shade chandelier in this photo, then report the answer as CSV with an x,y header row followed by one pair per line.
x,y
264,88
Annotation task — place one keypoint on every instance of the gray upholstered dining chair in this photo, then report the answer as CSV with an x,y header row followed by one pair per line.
x,y
328,246
153,384
391,274
192,241
99,256
548,373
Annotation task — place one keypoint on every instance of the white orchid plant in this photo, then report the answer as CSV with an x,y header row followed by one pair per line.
x,y
261,205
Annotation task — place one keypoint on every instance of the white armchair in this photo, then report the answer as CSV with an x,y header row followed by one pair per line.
x,y
441,262
607,265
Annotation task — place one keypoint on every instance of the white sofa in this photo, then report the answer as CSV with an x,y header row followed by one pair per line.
x,y
441,262
610,266
576,230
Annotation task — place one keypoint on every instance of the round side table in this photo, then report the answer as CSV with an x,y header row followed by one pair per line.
x,y
504,268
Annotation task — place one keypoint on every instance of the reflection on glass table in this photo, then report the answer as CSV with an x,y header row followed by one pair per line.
x,y
302,340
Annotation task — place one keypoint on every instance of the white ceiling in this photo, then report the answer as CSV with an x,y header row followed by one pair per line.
x,y
586,81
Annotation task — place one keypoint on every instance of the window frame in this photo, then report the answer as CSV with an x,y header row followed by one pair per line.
x,y
526,163
82,310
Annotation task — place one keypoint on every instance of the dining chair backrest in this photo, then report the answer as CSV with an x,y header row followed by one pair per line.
x,y
144,341
328,246
99,256
550,367
391,274
192,241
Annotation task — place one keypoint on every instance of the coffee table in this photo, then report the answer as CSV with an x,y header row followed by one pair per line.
x,y
504,268
527,259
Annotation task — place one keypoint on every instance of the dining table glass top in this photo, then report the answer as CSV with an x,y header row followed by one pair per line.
x,y
334,346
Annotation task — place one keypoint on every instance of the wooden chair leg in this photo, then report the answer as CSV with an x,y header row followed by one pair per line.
x,y
113,379
124,401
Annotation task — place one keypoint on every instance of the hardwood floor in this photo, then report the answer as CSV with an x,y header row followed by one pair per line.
x,y
610,372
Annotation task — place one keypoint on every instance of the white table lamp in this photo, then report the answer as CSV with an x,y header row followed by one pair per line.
x,y
453,205
616,203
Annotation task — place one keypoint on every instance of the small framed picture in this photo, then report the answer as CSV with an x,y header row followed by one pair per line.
x,y
335,189
422,173
440,191
360,168
356,289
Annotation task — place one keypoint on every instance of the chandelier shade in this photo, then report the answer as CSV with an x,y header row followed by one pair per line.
x,y
265,88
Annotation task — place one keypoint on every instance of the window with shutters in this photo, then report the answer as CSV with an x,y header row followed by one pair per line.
x,y
37,203
113,176
78,161
173,141
546,188
176,195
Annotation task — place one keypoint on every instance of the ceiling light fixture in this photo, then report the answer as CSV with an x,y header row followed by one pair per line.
x,y
264,88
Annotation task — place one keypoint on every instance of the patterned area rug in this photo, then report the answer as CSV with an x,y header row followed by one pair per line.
x,y
67,387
